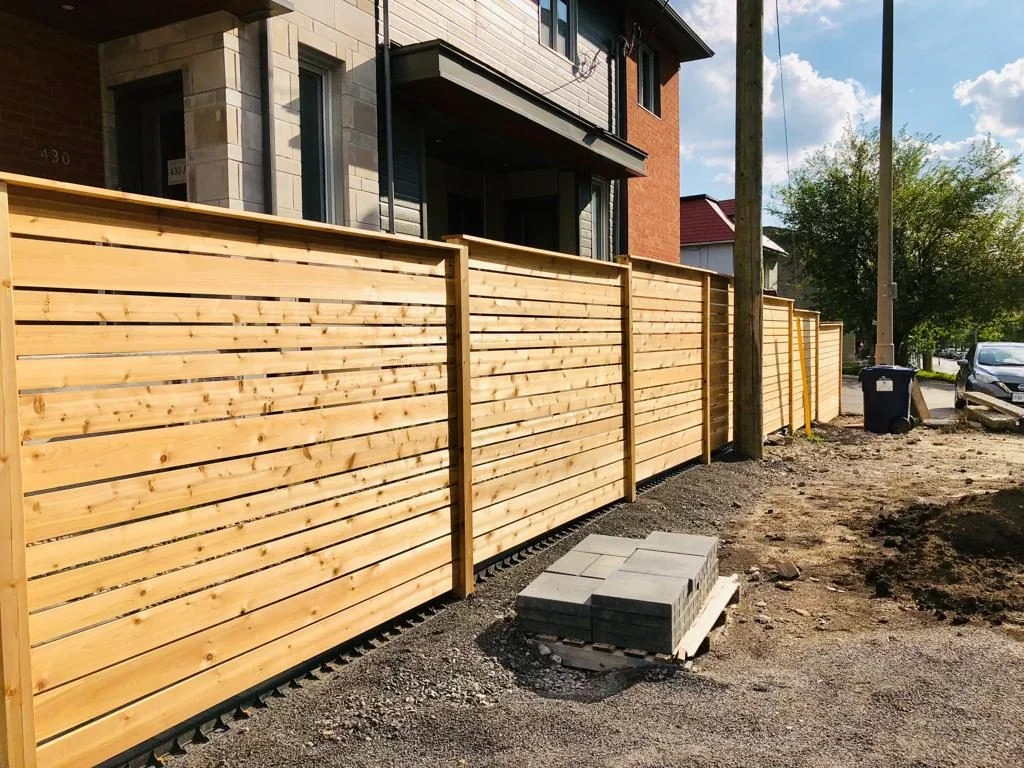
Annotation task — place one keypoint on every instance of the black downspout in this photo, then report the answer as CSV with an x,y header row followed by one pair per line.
x,y
389,144
266,120
621,185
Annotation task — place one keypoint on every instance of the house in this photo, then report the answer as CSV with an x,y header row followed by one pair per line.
x,y
707,235
549,123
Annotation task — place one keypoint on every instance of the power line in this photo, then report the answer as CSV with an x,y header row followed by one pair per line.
x,y
782,88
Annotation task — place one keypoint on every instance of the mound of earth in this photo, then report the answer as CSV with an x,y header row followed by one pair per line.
x,y
965,557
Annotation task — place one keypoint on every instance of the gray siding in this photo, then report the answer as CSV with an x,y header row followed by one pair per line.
x,y
504,35
409,192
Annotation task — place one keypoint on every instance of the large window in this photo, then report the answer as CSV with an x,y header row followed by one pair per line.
x,y
315,139
649,85
558,26
599,215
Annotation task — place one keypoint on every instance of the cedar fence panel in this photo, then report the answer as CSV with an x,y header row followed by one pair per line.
x,y
776,364
240,441
830,371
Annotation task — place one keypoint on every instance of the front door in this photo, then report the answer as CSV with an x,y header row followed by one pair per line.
x,y
151,137
533,222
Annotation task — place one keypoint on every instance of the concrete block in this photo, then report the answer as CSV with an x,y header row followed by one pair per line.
x,y
665,564
608,545
681,543
573,563
549,627
603,567
644,593
559,593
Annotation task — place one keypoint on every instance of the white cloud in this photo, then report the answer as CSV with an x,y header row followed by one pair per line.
x,y
997,99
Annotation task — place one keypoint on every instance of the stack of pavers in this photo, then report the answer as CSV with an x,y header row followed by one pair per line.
x,y
625,592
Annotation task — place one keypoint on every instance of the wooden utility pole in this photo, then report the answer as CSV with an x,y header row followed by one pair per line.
x,y
885,351
748,412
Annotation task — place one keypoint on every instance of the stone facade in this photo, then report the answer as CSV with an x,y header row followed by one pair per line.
x,y
219,60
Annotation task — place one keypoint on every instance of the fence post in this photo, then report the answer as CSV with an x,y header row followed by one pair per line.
x,y
705,371
17,730
462,507
840,379
628,391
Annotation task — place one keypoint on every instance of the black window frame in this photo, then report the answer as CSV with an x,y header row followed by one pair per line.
x,y
648,80
600,219
547,33
316,150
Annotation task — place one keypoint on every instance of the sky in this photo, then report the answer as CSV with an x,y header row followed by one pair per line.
x,y
958,74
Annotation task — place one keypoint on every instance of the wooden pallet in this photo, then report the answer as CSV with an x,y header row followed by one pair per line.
x,y
602,657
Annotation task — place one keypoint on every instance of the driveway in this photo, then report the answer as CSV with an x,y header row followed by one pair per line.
x,y
938,395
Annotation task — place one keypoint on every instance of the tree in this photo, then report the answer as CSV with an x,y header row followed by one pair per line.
x,y
958,233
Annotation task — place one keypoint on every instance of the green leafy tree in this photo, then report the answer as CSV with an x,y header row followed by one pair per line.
x,y
958,234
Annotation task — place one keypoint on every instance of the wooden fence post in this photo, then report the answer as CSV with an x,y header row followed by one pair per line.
x,y
705,356
462,507
840,379
628,391
17,730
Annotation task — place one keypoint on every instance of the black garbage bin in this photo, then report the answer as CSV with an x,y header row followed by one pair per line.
x,y
886,391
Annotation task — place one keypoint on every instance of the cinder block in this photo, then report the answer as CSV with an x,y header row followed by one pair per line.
x,y
687,567
573,563
608,545
560,593
681,543
644,593
603,567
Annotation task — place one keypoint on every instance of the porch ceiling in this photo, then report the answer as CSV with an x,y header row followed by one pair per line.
x,y
101,20
485,116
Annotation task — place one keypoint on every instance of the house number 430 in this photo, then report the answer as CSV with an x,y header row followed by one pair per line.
x,y
55,156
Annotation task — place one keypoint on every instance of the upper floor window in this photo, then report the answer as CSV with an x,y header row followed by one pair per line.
x,y
558,26
649,85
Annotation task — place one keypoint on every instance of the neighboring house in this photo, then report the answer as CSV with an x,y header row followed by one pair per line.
x,y
707,235
550,123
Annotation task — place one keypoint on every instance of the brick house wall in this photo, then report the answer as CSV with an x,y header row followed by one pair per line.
x,y
653,208
51,120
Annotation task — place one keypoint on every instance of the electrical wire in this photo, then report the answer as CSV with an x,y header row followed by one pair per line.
x,y
782,89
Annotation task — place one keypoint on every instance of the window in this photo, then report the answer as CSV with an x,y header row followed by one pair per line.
x,y
558,26
314,142
649,85
599,220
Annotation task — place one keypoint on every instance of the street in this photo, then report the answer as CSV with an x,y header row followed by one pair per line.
x,y
938,395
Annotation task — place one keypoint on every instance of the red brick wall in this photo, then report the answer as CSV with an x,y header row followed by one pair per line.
x,y
49,101
653,216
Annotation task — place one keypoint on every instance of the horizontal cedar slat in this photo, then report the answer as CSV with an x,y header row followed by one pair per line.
x,y
46,264
72,510
87,459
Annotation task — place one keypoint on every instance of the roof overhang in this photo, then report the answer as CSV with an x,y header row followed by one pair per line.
x,y
101,20
671,28
442,78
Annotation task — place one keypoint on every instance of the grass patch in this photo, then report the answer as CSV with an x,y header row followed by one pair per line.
x,y
949,378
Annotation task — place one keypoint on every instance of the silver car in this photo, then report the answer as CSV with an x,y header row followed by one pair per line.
x,y
994,368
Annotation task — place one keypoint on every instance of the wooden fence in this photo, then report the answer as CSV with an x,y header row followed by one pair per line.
x,y
233,442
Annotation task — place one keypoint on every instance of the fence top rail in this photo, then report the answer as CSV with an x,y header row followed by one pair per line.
x,y
648,261
807,313
511,248
829,325
779,301
264,221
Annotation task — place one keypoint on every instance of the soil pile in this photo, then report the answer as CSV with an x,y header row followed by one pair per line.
x,y
965,557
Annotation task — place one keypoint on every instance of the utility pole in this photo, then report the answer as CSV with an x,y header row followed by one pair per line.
x,y
748,265
885,352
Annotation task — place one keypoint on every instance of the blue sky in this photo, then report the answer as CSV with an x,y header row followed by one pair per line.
x,y
958,74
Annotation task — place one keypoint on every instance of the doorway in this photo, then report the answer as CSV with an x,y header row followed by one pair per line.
x,y
533,222
150,117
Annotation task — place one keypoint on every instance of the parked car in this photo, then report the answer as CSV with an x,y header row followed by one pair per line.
x,y
993,368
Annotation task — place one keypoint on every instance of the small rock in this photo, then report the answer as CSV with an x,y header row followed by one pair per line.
x,y
543,650
801,612
786,569
763,619
785,586
773,536
556,659
883,619
736,505
969,480
754,569
760,604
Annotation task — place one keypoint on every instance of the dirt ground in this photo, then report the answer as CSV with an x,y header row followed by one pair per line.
x,y
821,671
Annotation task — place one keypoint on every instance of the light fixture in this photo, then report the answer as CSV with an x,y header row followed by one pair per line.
x,y
68,7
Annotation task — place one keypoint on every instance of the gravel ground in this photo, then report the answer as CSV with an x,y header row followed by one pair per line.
x,y
822,674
